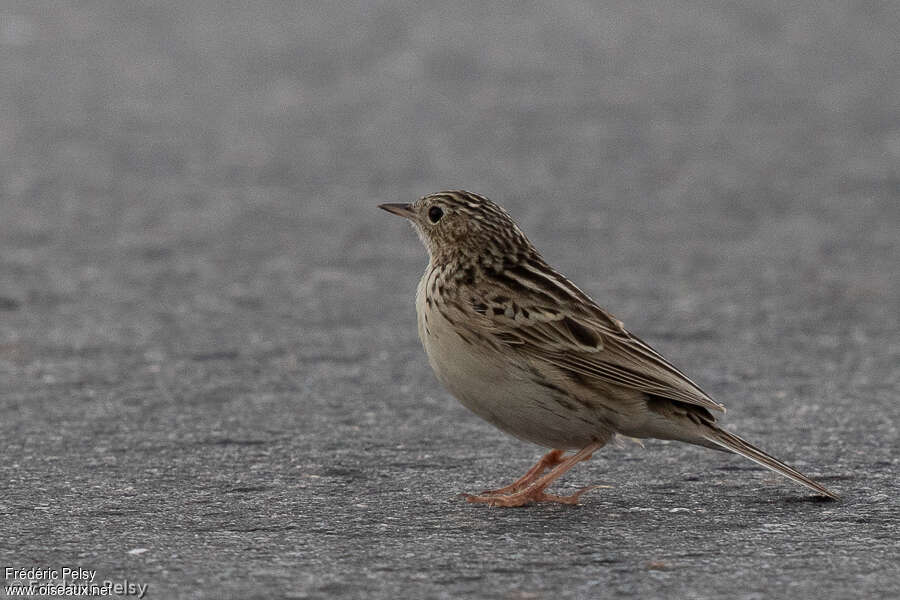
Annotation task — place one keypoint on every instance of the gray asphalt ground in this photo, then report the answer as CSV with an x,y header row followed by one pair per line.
x,y
210,380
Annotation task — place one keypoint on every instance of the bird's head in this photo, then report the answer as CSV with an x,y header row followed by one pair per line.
x,y
458,225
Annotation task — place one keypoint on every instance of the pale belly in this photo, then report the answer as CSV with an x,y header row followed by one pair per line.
x,y
505,393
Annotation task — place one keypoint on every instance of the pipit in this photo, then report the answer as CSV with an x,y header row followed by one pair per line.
x,y
523,348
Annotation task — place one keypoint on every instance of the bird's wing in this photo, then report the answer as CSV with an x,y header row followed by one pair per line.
x,y
577,336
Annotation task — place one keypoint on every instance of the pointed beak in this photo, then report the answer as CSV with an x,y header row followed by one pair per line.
x,y
402,210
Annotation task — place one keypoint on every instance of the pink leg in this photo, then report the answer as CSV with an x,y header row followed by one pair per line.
x,y
549,460
534,491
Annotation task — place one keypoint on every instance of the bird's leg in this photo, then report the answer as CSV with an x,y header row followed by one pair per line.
x,y
534,492
549,460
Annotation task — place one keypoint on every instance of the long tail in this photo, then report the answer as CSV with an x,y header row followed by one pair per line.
x,y
732,442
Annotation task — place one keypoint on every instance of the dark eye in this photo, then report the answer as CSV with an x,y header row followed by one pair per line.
x,y
435,213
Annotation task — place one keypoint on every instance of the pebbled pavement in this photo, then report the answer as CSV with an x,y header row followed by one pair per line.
x,y
210,380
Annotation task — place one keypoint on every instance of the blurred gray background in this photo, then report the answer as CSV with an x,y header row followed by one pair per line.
x,y
210,380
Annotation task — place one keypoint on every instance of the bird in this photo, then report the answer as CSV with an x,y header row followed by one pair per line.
x,y
525,349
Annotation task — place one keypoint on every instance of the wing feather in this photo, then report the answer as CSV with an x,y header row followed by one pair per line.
x,y
578,336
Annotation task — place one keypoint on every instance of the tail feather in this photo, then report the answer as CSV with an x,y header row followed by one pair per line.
x,y
732,442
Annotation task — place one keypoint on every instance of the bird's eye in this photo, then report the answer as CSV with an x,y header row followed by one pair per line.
x,y
435,213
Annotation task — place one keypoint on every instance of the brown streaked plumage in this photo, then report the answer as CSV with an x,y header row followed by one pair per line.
x,y
524,348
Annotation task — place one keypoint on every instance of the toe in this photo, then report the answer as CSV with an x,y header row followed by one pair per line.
x,y
572,499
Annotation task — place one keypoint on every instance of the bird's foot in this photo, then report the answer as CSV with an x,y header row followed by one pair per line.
x,y
523,497
530,488
548,461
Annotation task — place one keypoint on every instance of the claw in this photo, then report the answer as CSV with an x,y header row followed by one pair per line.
x,y
571,499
